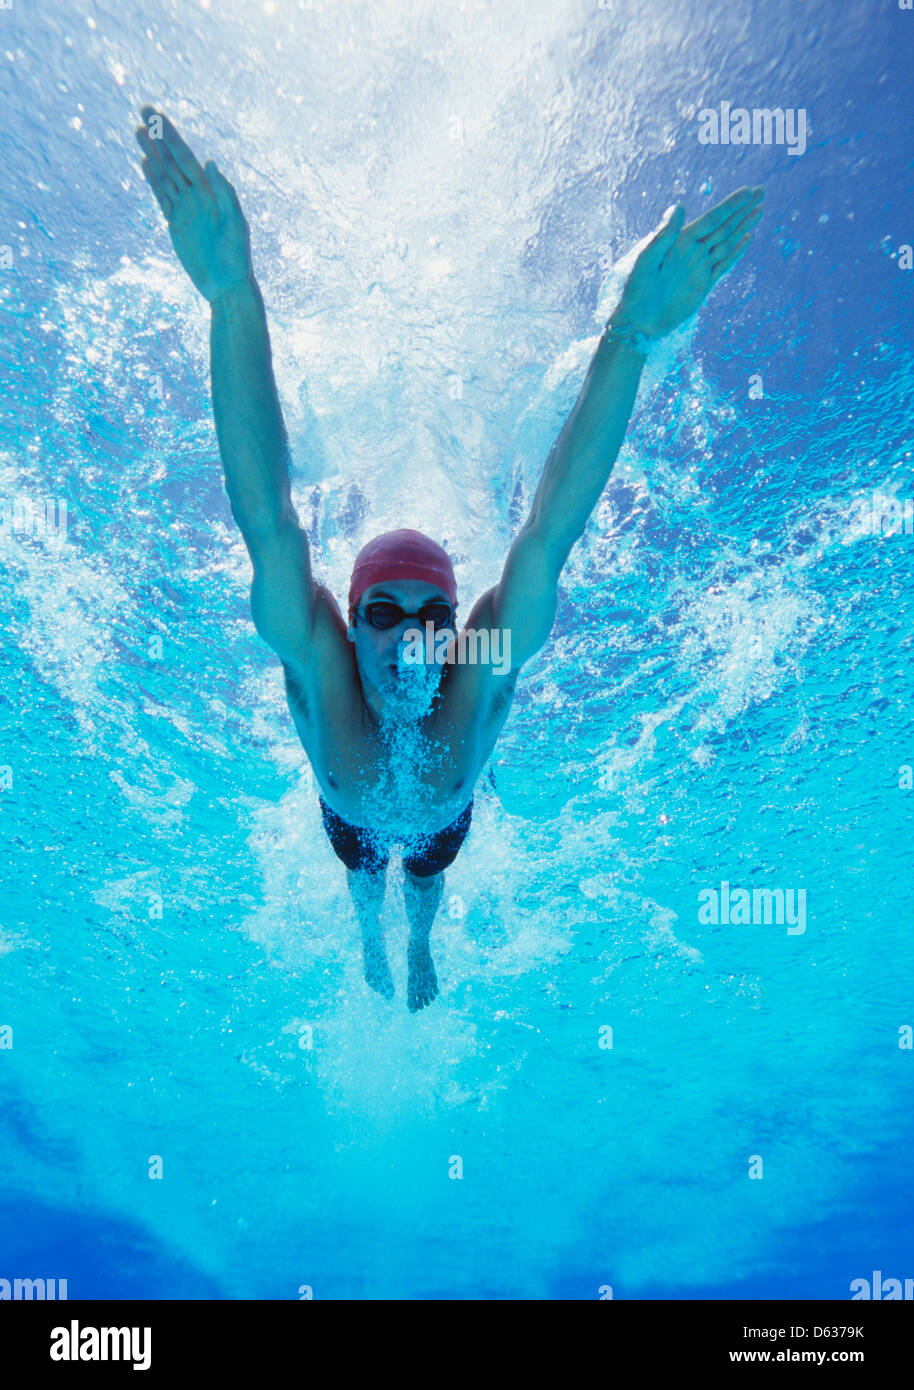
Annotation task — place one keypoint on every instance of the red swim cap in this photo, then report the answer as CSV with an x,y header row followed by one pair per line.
x,y
402,554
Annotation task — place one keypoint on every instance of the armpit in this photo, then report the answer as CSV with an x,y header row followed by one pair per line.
x,y
296,693
502,694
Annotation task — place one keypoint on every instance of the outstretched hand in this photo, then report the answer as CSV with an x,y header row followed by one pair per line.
x,y
680,265
207,227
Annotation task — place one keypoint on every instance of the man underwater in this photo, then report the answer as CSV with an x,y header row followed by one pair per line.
x,y
397,745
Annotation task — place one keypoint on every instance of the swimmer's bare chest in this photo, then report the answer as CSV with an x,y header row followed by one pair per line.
x,y
373,780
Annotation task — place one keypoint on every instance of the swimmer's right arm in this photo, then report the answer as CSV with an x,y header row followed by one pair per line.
x,y
211,239
255,454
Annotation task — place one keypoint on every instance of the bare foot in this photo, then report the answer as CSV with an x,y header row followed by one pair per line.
x,y
377,970
422,985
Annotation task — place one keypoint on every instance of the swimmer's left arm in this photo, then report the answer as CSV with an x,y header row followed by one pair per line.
x,y
670,279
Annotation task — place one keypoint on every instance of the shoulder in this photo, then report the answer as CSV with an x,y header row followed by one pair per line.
x,y
482,681
482,612
328,616
328,664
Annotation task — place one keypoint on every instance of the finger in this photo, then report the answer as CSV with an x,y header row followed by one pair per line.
x,y
734,205
157,148
718,250
223,191
154,154
661,242
157,187
152,138
185,159
721,267
739,222
709,222
178,177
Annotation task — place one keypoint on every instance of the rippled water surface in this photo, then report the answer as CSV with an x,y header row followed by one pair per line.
x,y
437,195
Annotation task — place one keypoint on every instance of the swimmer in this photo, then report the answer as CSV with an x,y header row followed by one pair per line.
x,y
397,755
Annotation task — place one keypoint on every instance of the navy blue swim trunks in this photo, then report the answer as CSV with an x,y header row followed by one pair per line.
x,y
360,849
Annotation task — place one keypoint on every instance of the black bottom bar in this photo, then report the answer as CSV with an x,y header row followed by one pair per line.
x,y
250,1338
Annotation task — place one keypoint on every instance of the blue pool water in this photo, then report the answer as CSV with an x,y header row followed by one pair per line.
x,y
437,195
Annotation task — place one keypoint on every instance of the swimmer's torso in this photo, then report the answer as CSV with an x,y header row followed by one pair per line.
x,y
402,778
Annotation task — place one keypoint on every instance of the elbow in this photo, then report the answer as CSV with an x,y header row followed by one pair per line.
x,y
258,520
551,544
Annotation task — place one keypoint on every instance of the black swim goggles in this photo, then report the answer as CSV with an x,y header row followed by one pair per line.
x,y
382,614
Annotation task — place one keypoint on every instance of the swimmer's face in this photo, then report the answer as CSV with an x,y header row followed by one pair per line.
x,y
376,650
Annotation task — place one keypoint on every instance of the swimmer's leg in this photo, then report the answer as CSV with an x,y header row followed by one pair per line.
x,y
422,898
367,889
